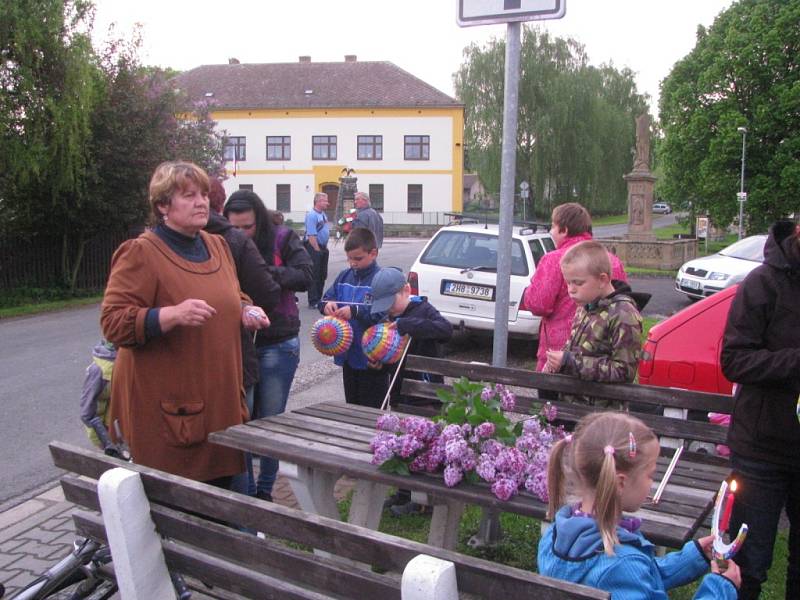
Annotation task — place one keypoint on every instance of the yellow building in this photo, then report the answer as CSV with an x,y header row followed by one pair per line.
x,y
291,129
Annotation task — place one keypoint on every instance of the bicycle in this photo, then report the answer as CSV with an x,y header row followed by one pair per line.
x,y
79,576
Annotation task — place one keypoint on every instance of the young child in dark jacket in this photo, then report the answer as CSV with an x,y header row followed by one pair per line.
x,y
416,317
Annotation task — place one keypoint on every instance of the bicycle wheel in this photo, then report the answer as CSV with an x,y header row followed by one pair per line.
x,y
88,589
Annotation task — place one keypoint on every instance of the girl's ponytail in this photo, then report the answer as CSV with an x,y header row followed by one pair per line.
x,y
606,501
555,477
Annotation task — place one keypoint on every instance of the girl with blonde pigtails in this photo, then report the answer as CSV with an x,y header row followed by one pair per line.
x,y
609,462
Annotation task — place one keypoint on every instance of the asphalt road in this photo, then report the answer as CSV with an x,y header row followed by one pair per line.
x,y
43,358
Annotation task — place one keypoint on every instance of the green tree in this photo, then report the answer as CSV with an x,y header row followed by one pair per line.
x,y
576,122
744,71
81,132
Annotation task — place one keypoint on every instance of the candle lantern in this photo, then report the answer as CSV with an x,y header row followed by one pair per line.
x,y
720,521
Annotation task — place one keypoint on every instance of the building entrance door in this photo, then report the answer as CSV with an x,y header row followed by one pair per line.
x,y
333,199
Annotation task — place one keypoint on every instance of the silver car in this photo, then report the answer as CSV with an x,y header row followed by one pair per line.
x,y
708,275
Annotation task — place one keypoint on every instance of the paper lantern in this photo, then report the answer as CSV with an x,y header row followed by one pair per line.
x,y
332,336
384,344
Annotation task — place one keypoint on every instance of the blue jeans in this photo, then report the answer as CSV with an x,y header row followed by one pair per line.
x,y
764,490
277,364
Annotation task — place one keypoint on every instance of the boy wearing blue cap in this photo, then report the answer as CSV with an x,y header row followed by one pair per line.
x,y
416,317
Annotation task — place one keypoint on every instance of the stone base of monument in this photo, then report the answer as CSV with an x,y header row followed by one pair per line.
x,y
646,252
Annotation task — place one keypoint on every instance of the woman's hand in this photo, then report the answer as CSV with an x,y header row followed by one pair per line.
x,y
329,309
729,571
189,313
254,317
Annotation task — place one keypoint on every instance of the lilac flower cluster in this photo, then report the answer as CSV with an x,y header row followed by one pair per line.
x,y
506,396
460,449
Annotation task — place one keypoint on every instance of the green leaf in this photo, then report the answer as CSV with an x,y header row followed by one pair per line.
x,y
395,466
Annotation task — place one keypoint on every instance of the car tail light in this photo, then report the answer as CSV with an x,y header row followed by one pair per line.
x,y
413,281
647,361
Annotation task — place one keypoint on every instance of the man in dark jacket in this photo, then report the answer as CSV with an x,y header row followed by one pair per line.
x,y
761,353
255,279
368,217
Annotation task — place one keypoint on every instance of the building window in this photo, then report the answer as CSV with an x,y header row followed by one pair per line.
x,y
279,147
417,147
235,148
370,147
376,196
414,198
246,186
283,194
323,147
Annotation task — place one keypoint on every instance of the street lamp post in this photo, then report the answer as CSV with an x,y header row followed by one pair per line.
x,y
742,196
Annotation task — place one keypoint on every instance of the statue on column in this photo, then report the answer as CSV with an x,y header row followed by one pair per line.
x,y
642,160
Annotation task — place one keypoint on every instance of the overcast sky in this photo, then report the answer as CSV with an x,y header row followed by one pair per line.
x,y
421,36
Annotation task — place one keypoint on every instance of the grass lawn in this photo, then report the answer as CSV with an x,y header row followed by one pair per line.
x,y
30,308
610,220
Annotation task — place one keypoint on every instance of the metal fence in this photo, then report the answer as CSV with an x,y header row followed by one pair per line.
x,y
37,263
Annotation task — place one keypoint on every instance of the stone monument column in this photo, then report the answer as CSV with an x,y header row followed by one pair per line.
x,y
641,183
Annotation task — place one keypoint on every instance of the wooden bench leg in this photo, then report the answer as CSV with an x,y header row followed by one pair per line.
x,y
429,578
138,559
444,524
489,531
312,488
367,504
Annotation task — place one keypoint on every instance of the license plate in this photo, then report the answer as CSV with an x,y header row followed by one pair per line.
x,y
691,284
468,290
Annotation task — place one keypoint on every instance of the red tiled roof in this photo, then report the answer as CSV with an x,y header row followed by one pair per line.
x,y
332,85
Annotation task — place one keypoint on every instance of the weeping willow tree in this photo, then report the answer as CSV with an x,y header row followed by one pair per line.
x,y
576,122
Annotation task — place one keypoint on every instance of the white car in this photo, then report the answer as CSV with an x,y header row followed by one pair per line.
x,y
708,275
662,208
457,271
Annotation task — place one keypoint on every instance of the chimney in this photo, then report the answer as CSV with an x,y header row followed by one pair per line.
x,y
233,61
350,58
305,59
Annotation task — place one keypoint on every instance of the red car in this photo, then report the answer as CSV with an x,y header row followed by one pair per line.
x,y
683,351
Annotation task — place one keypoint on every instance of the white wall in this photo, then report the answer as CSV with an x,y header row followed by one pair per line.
x,y
299,171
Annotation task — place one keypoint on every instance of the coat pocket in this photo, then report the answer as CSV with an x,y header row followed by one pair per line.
x,y
183,424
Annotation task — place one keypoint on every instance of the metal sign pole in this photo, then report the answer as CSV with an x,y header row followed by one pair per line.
x,y
507,175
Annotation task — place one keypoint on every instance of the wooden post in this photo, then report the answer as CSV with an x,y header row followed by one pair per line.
x,y
136,547
429,578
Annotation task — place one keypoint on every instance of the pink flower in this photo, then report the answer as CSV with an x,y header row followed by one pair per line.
x,y
504,488
485,430
388,422
485,468
549,412
406,445
452,476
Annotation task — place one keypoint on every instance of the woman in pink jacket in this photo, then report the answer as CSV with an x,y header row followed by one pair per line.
x,y
547,296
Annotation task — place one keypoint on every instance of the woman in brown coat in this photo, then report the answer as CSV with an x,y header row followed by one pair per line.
x,y
174,309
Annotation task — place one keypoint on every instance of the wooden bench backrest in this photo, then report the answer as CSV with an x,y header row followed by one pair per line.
x,y
569,412
243,563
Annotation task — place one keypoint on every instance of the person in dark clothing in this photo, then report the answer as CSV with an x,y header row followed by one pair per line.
x,y
416,317
278,348
254,277
761,353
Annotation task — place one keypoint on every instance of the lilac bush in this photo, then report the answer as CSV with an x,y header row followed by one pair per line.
x,y
473,440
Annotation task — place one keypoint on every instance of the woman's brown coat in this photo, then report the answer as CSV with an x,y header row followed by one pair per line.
x,y
171,391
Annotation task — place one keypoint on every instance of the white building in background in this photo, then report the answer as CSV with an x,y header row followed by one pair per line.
x,y
291,129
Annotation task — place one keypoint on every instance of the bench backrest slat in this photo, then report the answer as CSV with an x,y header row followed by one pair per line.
x,y
570,413
209,569
646,394
381,550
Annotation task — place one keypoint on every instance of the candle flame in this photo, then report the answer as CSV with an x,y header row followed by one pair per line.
x,y
733,485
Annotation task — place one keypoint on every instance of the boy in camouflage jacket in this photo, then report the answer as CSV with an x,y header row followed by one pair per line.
x,y
605,340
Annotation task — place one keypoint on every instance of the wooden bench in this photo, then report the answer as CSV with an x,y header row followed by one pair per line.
x,y
665,408
348,561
